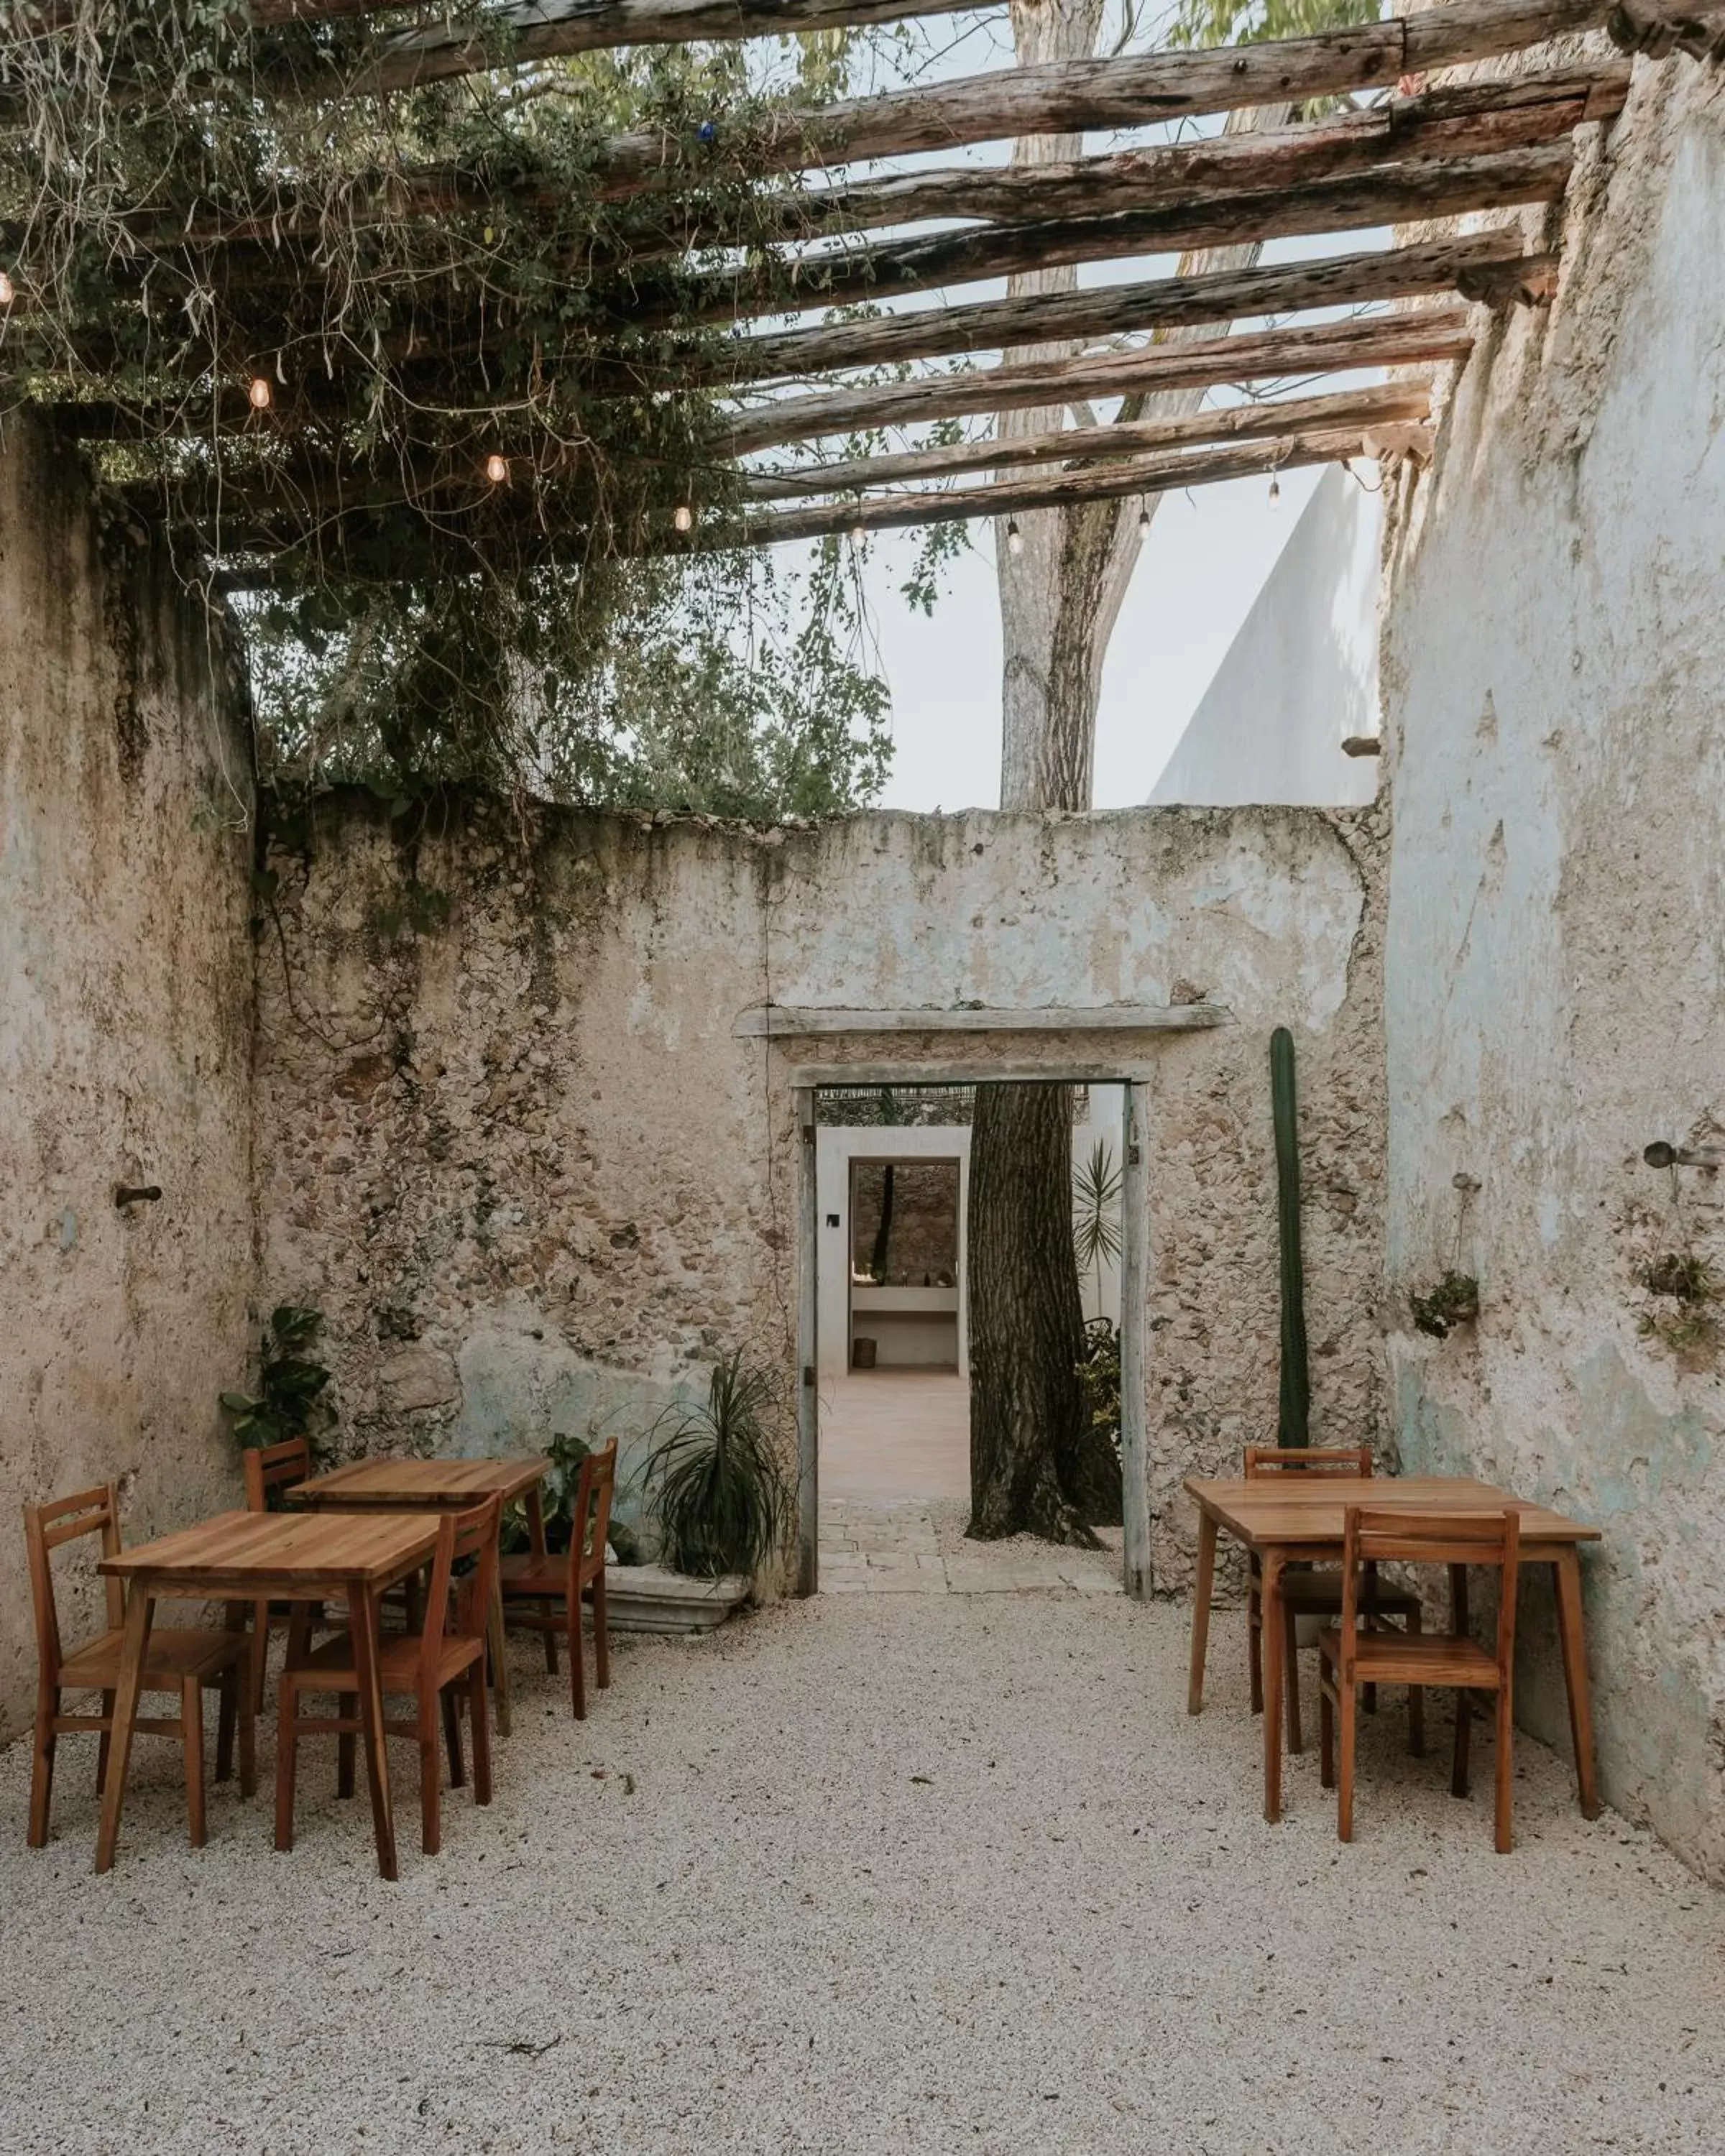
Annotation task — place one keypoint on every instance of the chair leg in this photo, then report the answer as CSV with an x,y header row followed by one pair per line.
x,y
346,1746
431,1780
1291,1642
260,1653
578,1659
601,1634
1346,1702
105,1742
248,1730
192,1735
550,1639
227,1717
1255,1646
1505,1764
287,1746
452,1736
47,1708
1416,1701
1325,1734
481,1735
1458,1769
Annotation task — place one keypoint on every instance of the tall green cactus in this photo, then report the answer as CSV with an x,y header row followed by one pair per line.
x,y
1296,1403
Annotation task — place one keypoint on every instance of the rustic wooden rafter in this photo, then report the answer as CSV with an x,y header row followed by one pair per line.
x,y
1119,479
1349,411
1438,332
1347,202
1494,262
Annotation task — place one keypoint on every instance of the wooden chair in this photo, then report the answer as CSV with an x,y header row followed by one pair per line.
x,y
1317,1591
182,1661
271,1469
540,1578
1349,1657
447,1652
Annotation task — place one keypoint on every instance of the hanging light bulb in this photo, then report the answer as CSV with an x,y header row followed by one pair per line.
x,y
1144,522
1274,491
8,291
1014,538
857,535
683,518
260,393
496,468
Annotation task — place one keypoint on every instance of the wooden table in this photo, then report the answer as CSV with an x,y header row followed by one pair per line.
x,y
433,1485
1290,1518
277,1557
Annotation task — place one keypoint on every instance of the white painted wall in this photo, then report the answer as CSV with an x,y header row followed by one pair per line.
x,y
1554,674
1301,675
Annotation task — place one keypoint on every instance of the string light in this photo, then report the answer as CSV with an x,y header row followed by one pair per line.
x,y
8,291
1014,538
1143,523
857,535
1274,491
683,517
496,468
260,393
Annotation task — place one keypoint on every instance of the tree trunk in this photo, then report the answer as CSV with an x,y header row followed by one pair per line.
x,y
883,1232
1036,1462
1031,1463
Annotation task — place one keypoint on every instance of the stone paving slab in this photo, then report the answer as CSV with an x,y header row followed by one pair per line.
x,y
896,1549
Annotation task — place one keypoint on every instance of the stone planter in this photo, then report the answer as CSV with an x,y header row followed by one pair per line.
x,y
651,1598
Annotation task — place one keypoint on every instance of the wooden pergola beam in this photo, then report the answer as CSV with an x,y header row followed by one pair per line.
x,y
1404,339
1352,411
1076,97
1486,264
1115,481
1347,202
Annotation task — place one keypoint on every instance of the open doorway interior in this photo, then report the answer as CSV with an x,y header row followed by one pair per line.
x,y
893,1292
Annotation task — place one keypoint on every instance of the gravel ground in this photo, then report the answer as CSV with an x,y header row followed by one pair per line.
x,y
900,1875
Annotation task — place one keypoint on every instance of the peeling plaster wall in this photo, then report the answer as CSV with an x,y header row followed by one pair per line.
x,y
1554,671
523,1165
125,1055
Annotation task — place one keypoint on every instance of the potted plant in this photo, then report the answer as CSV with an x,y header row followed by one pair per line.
x,y
719,1494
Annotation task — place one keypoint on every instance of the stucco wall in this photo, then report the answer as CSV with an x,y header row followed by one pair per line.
x,y
518,1156
125,1053
1301,675
1554,673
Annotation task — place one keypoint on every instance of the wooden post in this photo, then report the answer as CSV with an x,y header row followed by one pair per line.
x,y
808,1355
1134,1288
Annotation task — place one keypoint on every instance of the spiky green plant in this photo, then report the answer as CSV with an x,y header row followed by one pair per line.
x,y
717,1489
1096,1211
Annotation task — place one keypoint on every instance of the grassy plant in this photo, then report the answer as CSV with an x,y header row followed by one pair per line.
x,y
1099,1378
717,1487
1684,1288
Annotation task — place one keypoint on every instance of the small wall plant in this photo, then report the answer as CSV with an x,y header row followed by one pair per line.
x,y
290,1401
1683,1289
1455,1300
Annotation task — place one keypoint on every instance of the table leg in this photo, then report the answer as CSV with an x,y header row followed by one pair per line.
x,y
362,1616
1271,1637
138,1612
1201,1610
500,1660
1568,1569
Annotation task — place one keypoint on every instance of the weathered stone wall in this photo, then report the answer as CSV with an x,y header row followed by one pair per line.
x,y
1554,674
125,1053
510,1143
923,1241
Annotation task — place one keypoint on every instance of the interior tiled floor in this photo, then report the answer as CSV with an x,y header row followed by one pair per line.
x,y
895,1493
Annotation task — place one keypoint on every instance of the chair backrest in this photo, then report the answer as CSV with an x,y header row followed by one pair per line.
x,y
590,1518
464,1615
1346,1459
46,1527
1439,1536
270,1468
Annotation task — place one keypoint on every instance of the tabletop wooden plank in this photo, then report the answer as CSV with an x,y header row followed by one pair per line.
x,y
1298,1510
413,1482
256,1554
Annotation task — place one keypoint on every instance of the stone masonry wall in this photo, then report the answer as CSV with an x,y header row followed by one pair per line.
x,y
509,1141
125,1049
1554,676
